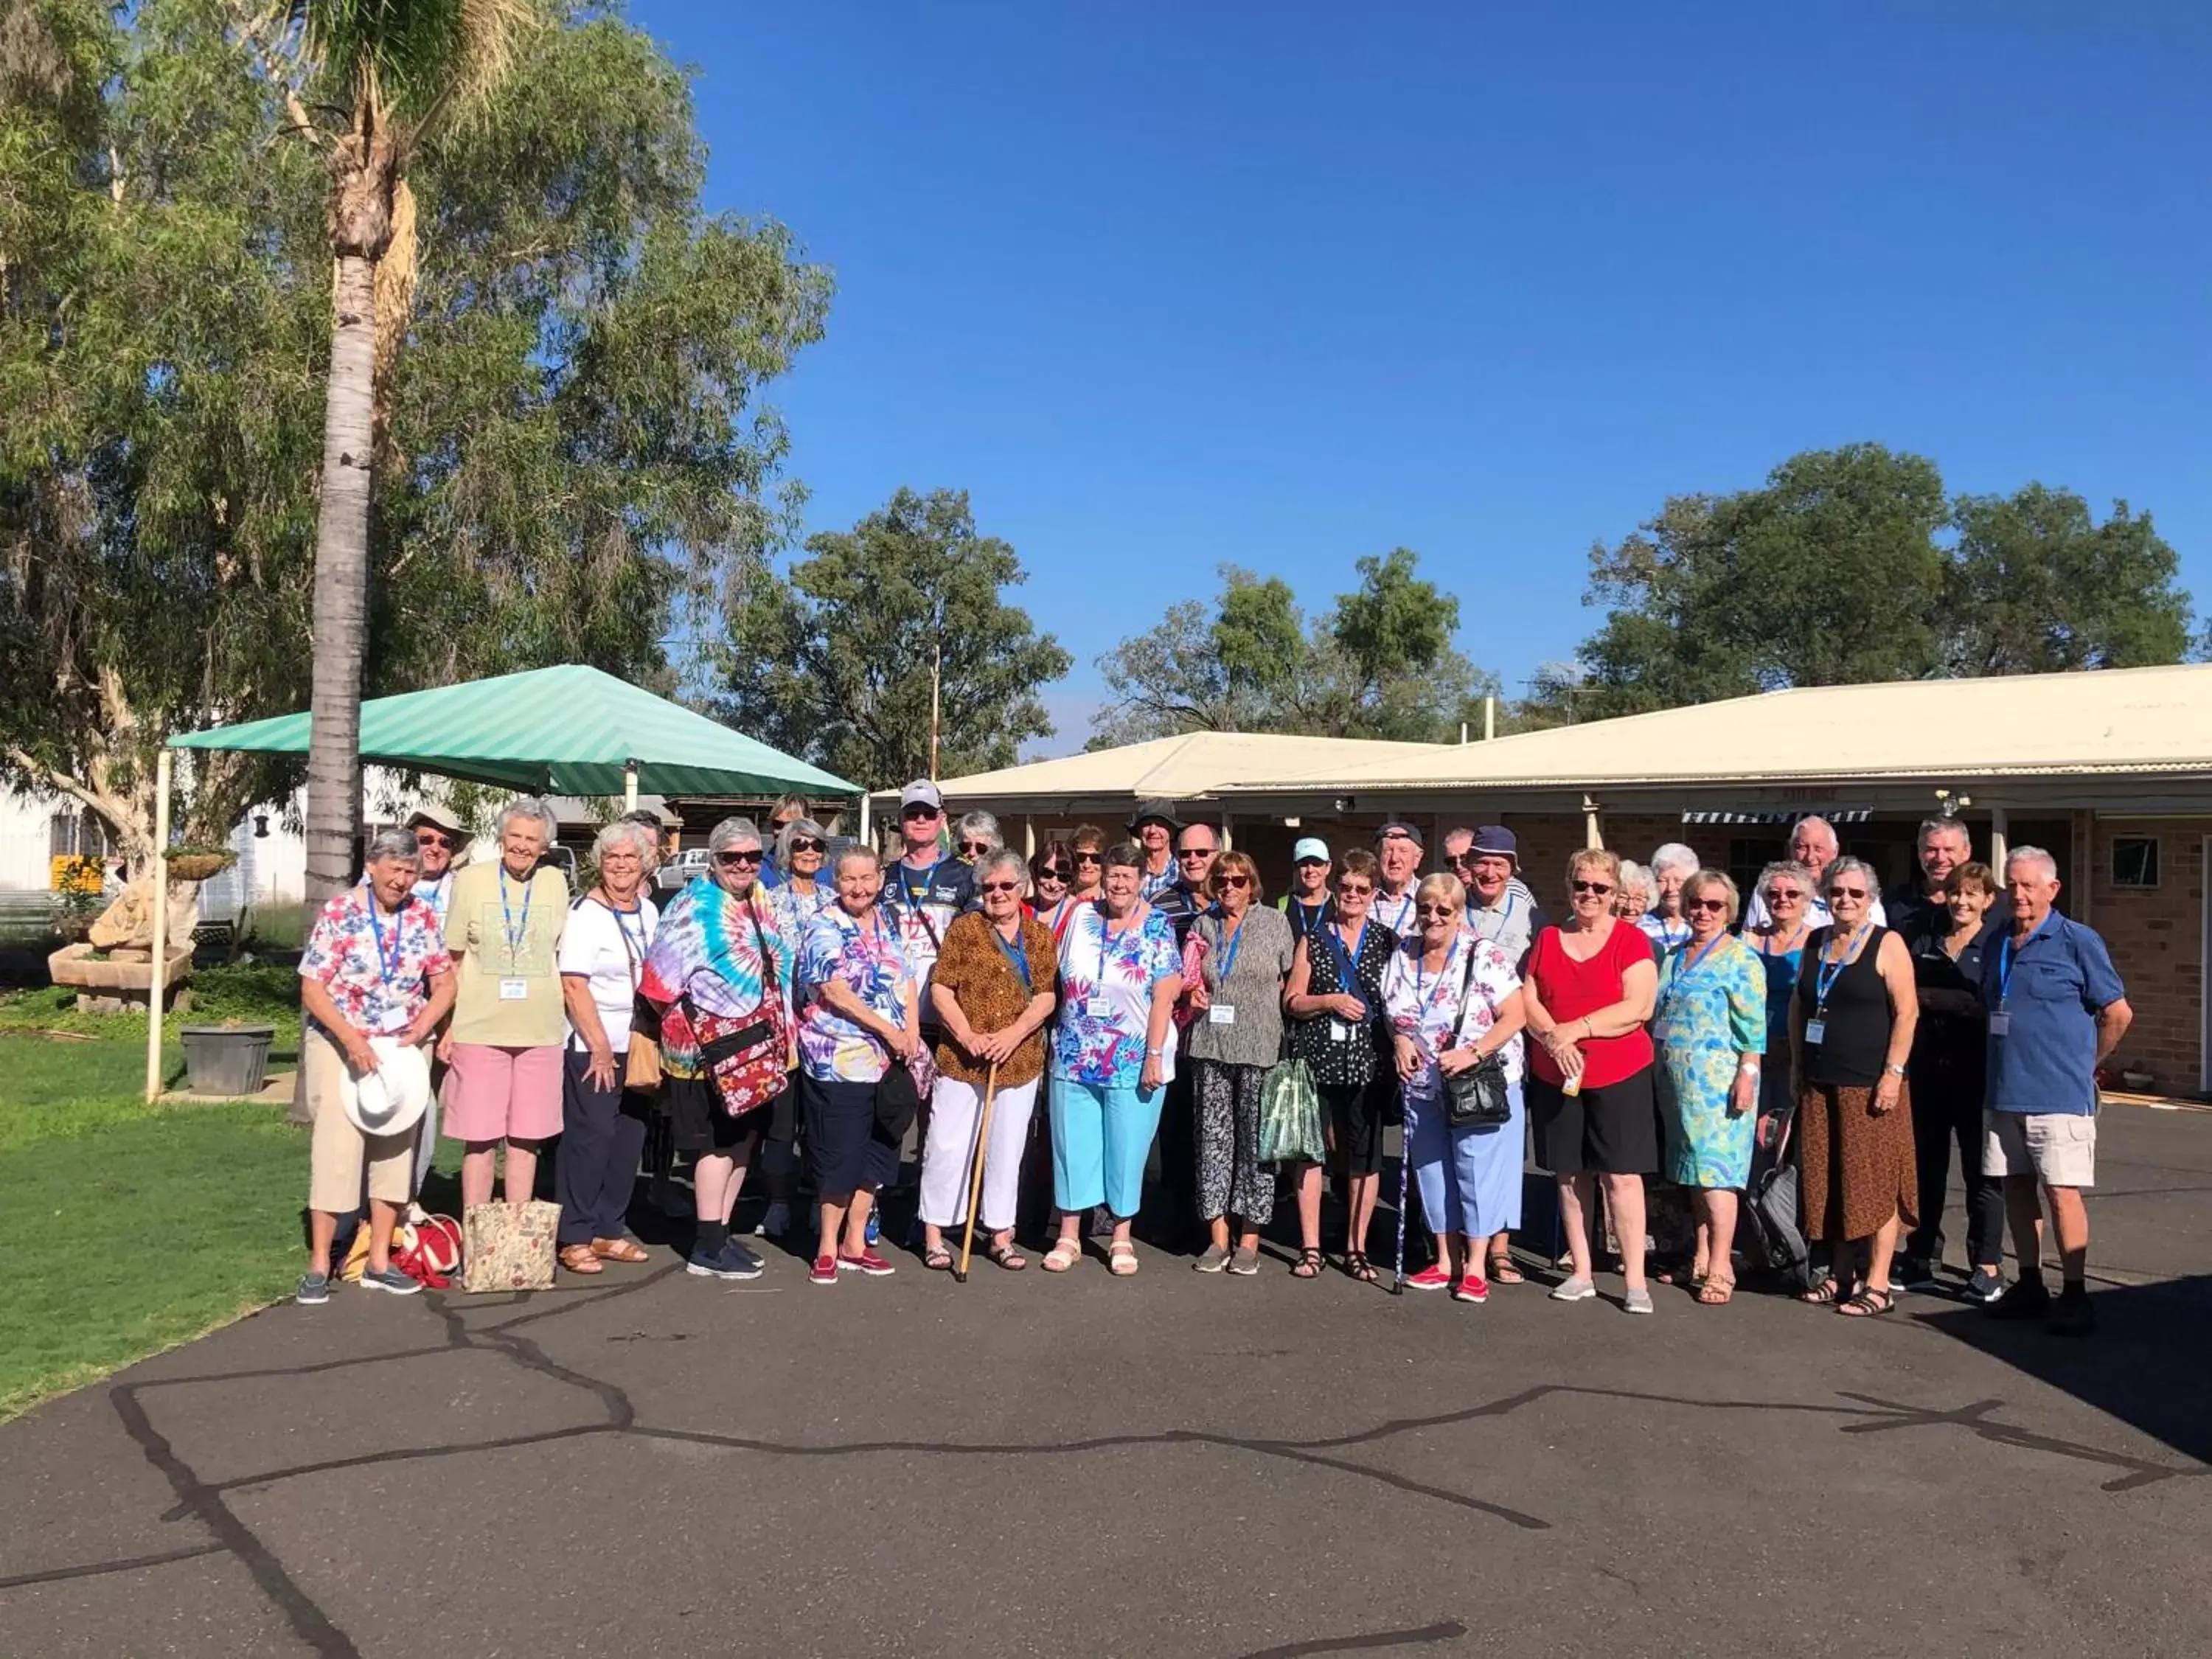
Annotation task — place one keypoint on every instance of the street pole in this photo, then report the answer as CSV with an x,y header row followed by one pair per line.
x,y
164,771
936,681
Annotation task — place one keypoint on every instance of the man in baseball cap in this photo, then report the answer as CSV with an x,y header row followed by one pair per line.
x,y
1307,902
1398,850
1155,825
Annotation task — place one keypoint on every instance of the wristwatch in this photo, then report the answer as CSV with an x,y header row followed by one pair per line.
x,y
1894,1071
1749,1068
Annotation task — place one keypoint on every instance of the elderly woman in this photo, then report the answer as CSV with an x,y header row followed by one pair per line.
x,y
858,1018
1335,996
1113,1048
995,987
1053,888
1088,844
803,892
1851,1033
602,958
975,835
718,977
503,927
1588,991
1237,1035
1664,923
1634,897
1454,1001
374,968
1709,1026
1949,1066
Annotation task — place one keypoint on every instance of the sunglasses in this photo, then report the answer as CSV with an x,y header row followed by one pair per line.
x,y
1847,892
913,814
1354,888
738,861
1706,904
1777,895
1000,886
1462,859
1052,872
975,846
1239,882
1600,888
807,844
431,838
1090,858
1437,912
1194,852
1313,864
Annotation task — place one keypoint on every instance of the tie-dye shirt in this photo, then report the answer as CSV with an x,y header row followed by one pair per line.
x,y
713,953
1106,981
866,958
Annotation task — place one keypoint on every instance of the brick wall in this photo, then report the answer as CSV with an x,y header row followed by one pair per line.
x,y
2156,938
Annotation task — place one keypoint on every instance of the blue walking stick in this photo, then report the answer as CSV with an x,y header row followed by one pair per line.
x,y
1405,1161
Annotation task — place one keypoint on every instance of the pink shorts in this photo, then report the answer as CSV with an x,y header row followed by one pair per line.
x,y
502,1094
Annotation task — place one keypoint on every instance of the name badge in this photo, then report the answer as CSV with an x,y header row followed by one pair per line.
x,y
1221,1014
514,990
1999,1023
1339,1032
1659,1030
1815,1029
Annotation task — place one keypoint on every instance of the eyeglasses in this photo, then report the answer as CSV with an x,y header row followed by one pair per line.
x,y
1778,895
1437,912
1239,882
1194,852
976,847
738,861
1600,888
1000,886
433,838
1090,858
1706,904
912,813
1354,888
1847,892
807,844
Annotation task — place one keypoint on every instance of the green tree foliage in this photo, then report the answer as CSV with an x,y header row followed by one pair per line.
x,y
834,662
1379,663
1833,573
574,460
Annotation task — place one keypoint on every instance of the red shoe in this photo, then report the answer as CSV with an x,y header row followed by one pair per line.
x,y
824,1271
866,1262
1474,1288
1434,1277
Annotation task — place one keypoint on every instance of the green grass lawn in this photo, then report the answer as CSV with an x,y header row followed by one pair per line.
x,y
126,1229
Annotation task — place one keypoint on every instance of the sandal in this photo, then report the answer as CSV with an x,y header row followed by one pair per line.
x,y
938,1259
1360,1268
1308,1266
579,1259
1870,1304
1828,1290
619,1250
1007,1255
1120,1258
1715,1291
1503,1272
1065,1254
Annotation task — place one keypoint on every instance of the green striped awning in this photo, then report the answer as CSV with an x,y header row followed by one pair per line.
x,y
570,730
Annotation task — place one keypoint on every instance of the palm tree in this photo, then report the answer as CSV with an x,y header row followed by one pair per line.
x,y
397,68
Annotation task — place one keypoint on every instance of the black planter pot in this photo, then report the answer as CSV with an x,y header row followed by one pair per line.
x,y
229,1060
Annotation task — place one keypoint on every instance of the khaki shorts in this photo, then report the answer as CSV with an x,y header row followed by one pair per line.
x,y
338,1151
2058,1148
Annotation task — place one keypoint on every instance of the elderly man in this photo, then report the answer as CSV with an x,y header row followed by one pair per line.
x,y
1156,827
1307,902
1812,843
2056,1012
1398,850
1500,906
1944,845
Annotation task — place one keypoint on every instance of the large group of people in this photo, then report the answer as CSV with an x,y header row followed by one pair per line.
x,y
1061,1022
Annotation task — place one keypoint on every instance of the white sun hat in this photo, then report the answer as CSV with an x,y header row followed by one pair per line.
x,y
392,1099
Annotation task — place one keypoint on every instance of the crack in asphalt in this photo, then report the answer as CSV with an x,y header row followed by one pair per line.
x,y
205,1501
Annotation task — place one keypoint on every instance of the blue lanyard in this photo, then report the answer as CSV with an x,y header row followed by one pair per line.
x,y
1397,925
640,914
2004,963
385,966
1444,973
1016,958
1351,977
1503,912
1689,964
906,888
1828,973
514,935
1230,947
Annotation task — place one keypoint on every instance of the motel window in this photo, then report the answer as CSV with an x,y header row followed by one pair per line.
x,y
2134,860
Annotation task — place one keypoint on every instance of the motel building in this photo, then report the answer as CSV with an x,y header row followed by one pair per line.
x,y
2109,771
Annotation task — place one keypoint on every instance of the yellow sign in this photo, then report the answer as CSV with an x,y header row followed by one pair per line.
x,y
71,873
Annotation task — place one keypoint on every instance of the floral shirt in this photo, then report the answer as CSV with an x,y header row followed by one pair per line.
x,y
1106,981
1428,1008
378,969
870,960
795,911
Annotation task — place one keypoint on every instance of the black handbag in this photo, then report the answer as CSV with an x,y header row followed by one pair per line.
x,y
1476,1098
897,1101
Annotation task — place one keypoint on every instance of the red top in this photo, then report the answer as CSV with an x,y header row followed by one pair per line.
x,y
1570,989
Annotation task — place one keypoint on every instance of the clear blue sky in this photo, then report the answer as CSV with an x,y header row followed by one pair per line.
x,y
1163,286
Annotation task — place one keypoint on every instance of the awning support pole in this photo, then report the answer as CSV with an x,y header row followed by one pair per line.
x,y
629,786
164,770
1593,836
1999,828
866,840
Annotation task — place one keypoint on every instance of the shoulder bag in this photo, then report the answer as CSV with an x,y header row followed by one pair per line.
x,y
1476,1098
642,1061
748,1063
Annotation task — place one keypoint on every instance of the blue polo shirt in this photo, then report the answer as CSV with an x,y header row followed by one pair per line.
x,y
2052,987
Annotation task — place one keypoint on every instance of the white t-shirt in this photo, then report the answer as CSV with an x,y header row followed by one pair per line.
x,y
606,947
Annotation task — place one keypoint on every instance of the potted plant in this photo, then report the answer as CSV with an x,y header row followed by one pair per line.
x,y
197,861
229,1060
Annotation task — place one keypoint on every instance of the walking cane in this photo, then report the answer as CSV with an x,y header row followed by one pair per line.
x,y
1405,1161
975,1171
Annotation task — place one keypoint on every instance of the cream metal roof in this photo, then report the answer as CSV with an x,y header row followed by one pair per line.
x,y
2103,722
1191,766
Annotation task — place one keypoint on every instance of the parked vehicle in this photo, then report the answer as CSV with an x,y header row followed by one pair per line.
x,y
681,870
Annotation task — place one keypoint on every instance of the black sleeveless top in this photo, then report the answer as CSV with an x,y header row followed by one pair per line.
x,y
1855,1045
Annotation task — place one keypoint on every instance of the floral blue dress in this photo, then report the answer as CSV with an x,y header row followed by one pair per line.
x,y
1712,1011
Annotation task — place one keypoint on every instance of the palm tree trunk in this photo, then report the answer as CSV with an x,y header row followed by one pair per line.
x,y
342,584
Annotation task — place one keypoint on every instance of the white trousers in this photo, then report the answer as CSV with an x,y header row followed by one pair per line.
x,y
954,1107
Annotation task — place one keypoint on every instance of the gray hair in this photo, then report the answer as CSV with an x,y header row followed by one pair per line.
x,y
625,830
981,825
1940,827
853,850
790,832
1005,859
524,807
1633,874
392,844
1122,855
2035,853
1790,868
730,831
1673,856
1834,840
1845,866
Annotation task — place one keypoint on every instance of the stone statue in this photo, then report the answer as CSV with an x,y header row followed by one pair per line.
x,y
128,923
